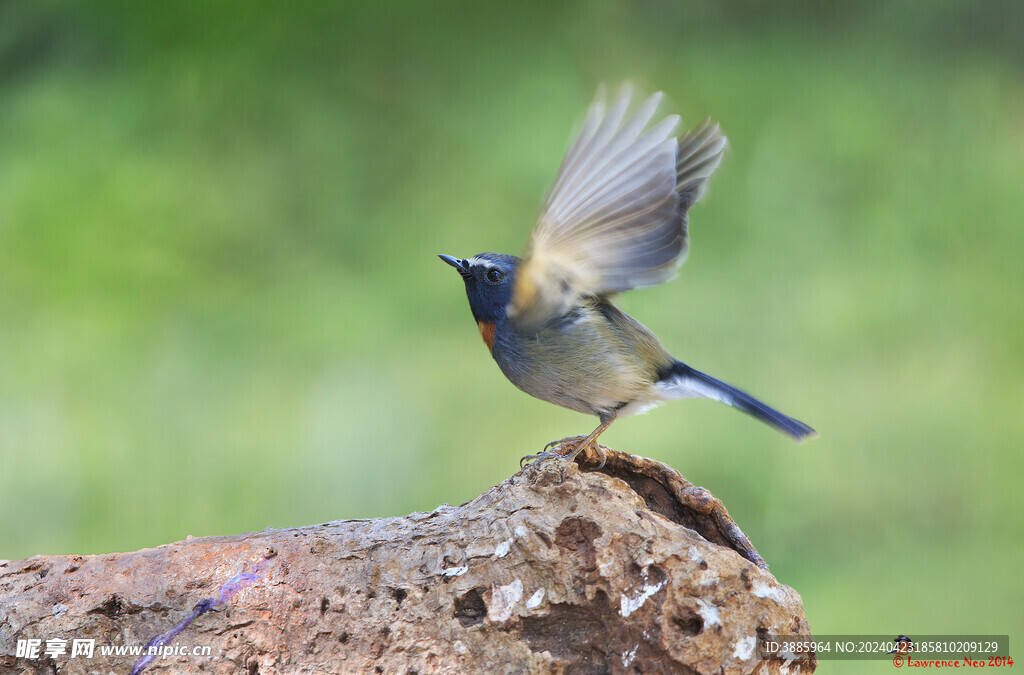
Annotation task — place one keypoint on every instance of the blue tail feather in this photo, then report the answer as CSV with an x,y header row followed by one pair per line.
x,y
691,382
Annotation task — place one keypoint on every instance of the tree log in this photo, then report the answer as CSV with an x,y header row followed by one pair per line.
x,y
557,569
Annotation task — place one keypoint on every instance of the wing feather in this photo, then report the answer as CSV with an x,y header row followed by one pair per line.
x,y
615,218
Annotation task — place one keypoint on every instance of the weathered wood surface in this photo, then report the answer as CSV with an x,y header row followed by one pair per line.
x,y
557,569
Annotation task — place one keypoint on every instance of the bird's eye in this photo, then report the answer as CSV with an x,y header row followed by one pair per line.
x,y
494,275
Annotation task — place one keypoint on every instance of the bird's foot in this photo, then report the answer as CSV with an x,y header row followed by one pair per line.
x,y
560,450
539,456
563,442
567,448
601,456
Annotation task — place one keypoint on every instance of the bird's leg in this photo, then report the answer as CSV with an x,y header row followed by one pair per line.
x,y
592,440
582,443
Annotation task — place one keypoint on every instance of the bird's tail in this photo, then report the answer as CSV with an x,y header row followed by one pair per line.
x,y
681,381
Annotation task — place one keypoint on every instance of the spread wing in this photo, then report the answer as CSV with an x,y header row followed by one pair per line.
x,y
615,218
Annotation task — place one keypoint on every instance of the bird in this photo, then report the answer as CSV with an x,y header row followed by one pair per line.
x,y
615,219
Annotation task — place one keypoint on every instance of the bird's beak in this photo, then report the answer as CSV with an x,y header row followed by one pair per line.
x,y
456,263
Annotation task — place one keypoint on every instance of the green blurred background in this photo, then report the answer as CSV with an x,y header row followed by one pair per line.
x,y
221,310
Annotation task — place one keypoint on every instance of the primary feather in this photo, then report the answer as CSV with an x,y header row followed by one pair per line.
x,y
615,218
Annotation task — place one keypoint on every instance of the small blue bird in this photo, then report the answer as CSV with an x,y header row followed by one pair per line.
x,y
615,219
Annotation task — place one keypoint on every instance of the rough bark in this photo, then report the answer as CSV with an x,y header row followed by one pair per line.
x,y
557,569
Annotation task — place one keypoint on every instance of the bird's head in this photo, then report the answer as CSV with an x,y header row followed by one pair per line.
x,y
489,279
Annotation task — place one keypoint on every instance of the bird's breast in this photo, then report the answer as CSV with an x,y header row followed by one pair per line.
x,y
585,362
487,333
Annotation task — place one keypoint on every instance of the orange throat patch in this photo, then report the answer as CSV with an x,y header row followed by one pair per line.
x,y
487,333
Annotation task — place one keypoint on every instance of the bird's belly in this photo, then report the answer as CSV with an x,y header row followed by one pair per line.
x,y
570,369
